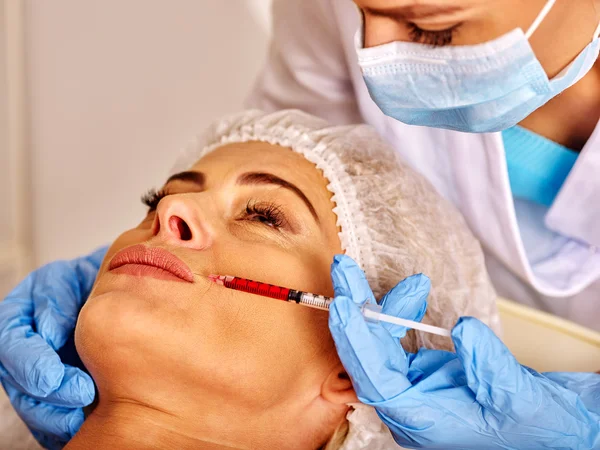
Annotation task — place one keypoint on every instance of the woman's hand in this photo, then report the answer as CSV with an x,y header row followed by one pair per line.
x,y
480,397
37,319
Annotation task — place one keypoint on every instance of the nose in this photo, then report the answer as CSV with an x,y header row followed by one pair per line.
x,y
178,222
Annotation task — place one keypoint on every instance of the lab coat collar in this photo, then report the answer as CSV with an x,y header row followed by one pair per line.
x,y
484,196
576,210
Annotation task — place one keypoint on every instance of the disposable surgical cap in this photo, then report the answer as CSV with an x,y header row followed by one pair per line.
x,y
391,220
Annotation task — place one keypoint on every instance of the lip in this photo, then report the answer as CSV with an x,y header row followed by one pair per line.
x,y
154,262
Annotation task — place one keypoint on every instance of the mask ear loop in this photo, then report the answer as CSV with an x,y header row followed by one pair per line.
x,y
541,16
597,32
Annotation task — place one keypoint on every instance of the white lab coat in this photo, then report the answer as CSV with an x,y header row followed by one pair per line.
x,y
312,66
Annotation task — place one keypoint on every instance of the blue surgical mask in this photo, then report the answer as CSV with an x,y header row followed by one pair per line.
x,y
478,88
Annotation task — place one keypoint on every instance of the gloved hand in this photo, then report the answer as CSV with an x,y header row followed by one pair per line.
x,y
36,320
479,397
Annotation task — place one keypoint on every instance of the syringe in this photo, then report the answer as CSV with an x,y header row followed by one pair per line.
x,y
371,311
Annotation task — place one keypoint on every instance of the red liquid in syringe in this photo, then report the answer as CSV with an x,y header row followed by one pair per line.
x,y
272,291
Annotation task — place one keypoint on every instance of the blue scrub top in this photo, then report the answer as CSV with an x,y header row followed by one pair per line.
x,y
537,167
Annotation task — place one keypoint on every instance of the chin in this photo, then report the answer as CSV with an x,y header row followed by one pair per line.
x,y
113,330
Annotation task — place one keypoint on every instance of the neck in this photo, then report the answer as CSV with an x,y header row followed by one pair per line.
x,y
135,427
571,117
213,424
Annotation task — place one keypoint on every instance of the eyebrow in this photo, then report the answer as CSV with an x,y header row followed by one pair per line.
x,y
248,178
416,11
189,176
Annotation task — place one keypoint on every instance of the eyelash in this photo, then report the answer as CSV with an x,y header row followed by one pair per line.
x,y
267,213
152,198
435,38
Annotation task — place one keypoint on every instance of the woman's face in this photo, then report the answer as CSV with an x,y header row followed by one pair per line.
x,y
565,31
251,210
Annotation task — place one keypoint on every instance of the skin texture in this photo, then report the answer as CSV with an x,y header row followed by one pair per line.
x,y
569,118
194,365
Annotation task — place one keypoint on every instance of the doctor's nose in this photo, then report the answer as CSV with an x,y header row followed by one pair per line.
x,y
179,222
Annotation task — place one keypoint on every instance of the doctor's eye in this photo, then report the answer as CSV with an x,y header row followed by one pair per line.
x,y
437,38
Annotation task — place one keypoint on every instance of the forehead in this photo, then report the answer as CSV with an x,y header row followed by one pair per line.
x,y
226,163
234,158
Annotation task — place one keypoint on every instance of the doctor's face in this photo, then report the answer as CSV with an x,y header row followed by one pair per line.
x,y
565,31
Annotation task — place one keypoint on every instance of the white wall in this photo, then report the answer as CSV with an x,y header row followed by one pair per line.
x,y
115,89
6,235
15,236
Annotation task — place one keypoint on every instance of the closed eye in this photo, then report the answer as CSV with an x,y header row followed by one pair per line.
x,y
438,38
265,213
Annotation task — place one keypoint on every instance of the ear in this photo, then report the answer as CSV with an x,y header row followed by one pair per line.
x,y
338,388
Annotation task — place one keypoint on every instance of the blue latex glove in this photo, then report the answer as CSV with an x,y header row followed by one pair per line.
x,y
36,320
477,398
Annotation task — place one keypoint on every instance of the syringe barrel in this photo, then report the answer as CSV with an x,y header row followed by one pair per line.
x,y
312,300
255,287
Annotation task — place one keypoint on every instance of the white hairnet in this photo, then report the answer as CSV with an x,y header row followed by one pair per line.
x,y
392,221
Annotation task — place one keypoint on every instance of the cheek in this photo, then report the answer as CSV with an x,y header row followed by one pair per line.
x,y
306,268
303,267
121,335
257,347
263,343
103,336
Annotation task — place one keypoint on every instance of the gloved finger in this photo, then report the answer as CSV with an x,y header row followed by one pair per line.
x,y
45,419
506,389
59,292
3,372
496,378
349,280
373,358
437,408
49,442
585,385
87,269
426,363
577,381
25,355
408,300
76,390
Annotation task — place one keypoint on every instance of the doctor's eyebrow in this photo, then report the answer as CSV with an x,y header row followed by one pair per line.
x,y
413,12
248,178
